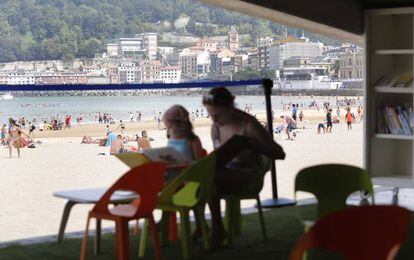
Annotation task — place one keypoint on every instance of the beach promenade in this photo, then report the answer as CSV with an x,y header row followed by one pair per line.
x,y
61,162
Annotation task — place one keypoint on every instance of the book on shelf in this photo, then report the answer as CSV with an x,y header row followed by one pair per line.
x,y
395,80
396,119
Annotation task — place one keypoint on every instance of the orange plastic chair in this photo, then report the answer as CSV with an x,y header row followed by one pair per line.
x,y
366,232
146,180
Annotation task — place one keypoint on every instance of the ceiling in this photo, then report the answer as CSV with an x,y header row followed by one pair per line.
x,y
338,19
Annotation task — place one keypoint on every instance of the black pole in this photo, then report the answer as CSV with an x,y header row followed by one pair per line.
x,y
275,201
267,86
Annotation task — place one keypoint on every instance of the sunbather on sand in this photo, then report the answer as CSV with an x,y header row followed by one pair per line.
x,y
90,140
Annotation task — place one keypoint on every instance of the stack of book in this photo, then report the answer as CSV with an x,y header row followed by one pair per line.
x,y
397,120
396,80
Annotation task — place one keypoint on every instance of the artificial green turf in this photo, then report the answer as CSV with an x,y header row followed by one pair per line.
x,y
282,224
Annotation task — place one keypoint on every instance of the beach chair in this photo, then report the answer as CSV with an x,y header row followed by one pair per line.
x,y
331,184
145,180
198,180
232,219
366,232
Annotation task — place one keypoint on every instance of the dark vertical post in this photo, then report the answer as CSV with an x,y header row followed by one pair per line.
x,y
267,86
275,201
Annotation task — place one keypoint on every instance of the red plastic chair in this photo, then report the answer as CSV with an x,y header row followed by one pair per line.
x,y
366,232
146,180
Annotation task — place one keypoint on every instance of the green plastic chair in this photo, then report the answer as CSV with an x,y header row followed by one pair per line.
x,y
232,219
331,184
198,180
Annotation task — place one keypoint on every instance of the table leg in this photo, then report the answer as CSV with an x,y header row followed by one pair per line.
x,y
64,220
98,237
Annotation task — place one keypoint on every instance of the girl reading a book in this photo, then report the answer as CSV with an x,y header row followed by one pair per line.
x,y
180,135
239,140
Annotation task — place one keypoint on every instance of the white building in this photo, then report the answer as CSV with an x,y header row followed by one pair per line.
x,y
144,44
150,43
170,74
19,77
280,52
203,64
112,50
130,46
129,72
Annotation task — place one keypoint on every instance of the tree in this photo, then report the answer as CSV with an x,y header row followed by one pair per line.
x,y
247,74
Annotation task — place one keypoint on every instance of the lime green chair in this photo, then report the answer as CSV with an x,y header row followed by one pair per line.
x,y
198,183
331,184
232,219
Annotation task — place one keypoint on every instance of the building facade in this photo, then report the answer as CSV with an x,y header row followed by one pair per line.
x,y
170,74
280,52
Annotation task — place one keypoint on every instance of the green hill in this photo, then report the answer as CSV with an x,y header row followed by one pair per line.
x,y
67,29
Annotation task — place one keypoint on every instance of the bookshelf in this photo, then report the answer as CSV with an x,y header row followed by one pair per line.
x,y
389,139
394,52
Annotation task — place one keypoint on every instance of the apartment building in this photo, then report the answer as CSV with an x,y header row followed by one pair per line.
x,y
150,70
144,44
284,50
170,74
129,72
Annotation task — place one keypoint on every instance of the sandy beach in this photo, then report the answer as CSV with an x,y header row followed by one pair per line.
x,y
61,162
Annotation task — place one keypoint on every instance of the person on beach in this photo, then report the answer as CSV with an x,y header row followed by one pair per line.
x,y
159,123
329,120
181,136
117,145
289,124
321,126
294,111
338,114
67,121
121,126
32,127
301,116
143,141
233,176
3,135
349,118
131,117
89,140
15,135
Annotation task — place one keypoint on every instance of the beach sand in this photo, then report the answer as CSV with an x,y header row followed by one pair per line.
x,y
61,162
98,130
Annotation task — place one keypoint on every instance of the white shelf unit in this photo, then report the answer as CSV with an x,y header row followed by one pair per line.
x,y
396,137
394,51
389,50
393,90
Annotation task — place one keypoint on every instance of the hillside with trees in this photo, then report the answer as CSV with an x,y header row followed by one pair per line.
x,y
68,29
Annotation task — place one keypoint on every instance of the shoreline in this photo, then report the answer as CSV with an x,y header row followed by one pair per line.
x,y
94,129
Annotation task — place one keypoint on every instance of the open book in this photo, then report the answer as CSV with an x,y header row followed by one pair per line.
x,y
168,155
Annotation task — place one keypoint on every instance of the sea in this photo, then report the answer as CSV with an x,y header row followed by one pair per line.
x,y
44,107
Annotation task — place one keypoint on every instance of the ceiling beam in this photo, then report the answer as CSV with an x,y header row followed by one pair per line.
x,y
339,19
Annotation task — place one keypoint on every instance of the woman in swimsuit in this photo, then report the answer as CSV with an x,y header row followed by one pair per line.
x,y
15,134
234,176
